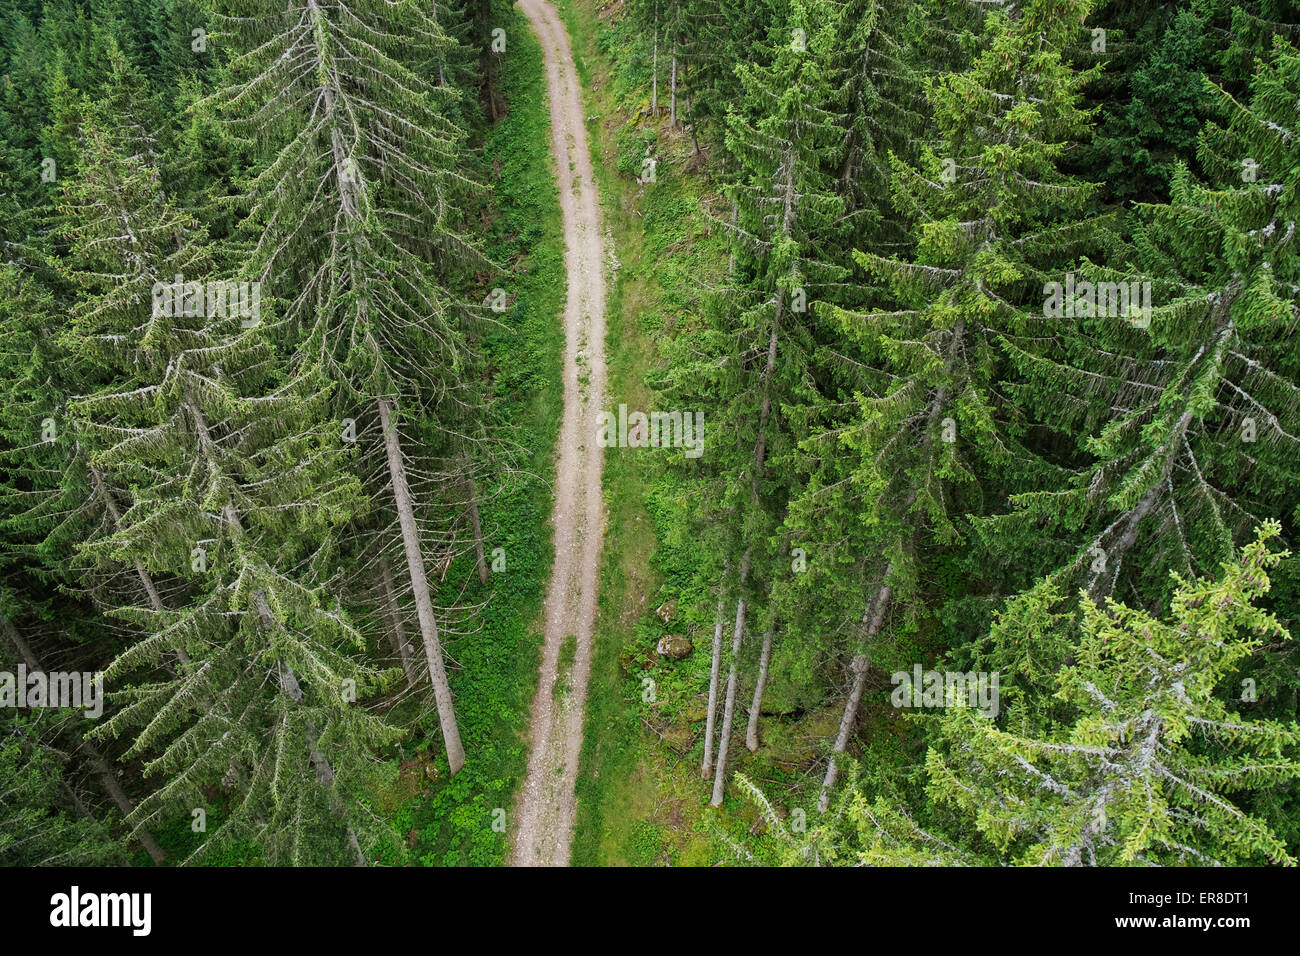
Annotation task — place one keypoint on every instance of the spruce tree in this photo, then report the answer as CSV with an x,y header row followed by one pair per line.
x,y
1190,416
937,434
1153,762
237,483
753,366
352,221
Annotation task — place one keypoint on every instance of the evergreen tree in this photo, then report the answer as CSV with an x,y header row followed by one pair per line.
x,y
1191,423
938,433
236,482
42,821
754,362
1153,765
354,218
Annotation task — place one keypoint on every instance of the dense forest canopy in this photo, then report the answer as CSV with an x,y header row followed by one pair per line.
x,y
984,551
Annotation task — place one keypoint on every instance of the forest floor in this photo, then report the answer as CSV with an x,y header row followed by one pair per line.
x,y
641,799
547,802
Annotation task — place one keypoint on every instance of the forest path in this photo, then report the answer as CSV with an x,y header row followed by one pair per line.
x,y
547,801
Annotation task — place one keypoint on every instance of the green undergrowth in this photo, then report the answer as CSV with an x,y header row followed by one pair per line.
x,y
493,669
438,820
641,801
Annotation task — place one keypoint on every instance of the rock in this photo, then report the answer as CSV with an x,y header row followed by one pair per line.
x,y
676,646
667,611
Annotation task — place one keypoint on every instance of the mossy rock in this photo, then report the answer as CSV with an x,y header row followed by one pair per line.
x,y
674,646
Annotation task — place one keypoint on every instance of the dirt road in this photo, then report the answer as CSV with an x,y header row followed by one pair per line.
x,y
544,816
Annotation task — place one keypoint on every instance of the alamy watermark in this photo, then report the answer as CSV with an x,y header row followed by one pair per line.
x,y
217,299
1084,299
75,908
82,690
655,430
923,688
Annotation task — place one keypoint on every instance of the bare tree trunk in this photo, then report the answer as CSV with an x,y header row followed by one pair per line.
x,y
476,528
847,721
397,471
672,91
859,668
751,731
420,585
393,617
94,759
108,780
707,765
733,681
654,70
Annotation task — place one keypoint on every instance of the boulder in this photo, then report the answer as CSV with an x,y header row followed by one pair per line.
x,y
674,646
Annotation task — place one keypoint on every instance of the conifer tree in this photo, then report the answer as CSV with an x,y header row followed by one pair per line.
x,y
1150,762
30,748
237,482
1153,764
43,822
1191,416
993,212
353,220
754,365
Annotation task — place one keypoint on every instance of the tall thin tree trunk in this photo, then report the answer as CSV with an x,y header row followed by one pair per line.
x,y
475,523
751,731
707,765
397,472
654,70
420,585
108,780
672,91
94,759
393,617
859,668
733,682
